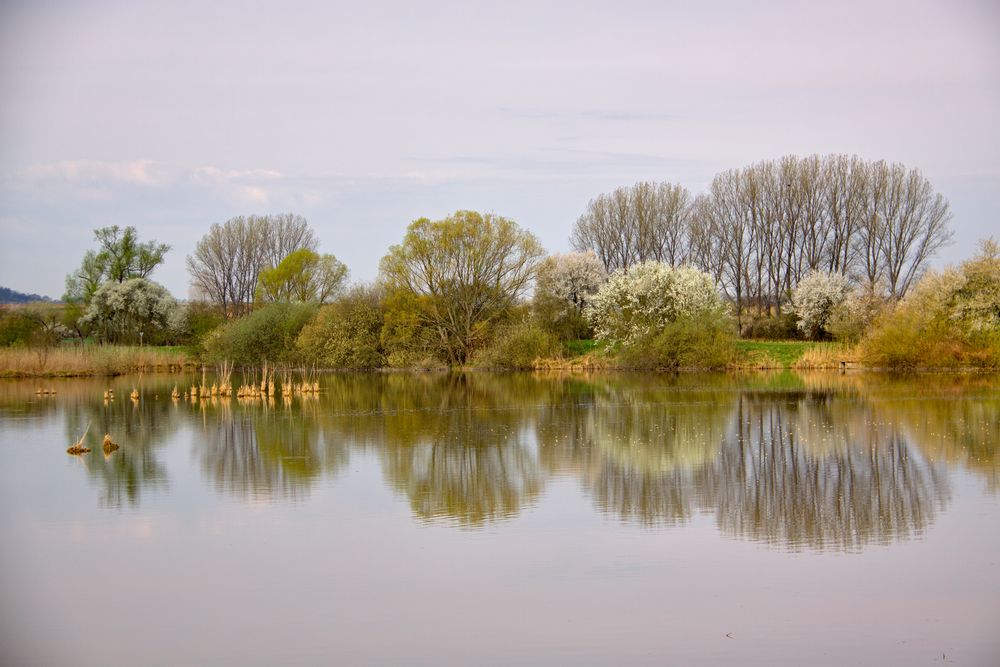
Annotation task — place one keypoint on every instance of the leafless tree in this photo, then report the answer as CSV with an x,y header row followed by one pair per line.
x,y
648,221
762,228
227,261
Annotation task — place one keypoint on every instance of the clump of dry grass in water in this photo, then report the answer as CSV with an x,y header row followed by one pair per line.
x,y
79,447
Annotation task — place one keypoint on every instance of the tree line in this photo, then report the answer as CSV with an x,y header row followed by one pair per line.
x,y
456,286
760,229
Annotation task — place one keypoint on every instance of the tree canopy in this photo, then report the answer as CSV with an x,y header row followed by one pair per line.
x,y
227,261
119,257
131,311
454,277
303,275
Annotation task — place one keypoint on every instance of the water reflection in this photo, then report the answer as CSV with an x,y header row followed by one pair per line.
x,y
817,461
820,470
268,448
141,427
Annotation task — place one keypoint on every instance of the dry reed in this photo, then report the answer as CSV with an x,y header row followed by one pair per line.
x,y
90,360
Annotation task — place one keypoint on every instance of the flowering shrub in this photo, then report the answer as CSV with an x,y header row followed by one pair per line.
x,y
119,312
563,288
646,297
816,298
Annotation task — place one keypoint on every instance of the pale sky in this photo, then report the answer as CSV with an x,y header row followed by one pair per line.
x,y
365,116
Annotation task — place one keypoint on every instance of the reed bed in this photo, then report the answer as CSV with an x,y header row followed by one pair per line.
x,y
827,357
93,360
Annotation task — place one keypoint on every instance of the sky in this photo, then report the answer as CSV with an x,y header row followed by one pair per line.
x,y
363,117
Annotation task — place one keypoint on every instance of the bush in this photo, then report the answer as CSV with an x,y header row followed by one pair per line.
x,y
700,342
815,299
191,322
636,303
407,340
850,321
268,333
928,330
345,334
767,327
17,327
517,346
563,288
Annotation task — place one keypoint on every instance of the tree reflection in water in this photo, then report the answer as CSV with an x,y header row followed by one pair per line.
x,y
266,448
139,427
790,466
821,471
457,446
812,461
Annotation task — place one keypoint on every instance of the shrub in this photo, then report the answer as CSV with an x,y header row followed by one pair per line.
x,y
135,310
345,334
928,329
518,345
407,340
192,321
639,302
564,287
17,327
268,333
815,299
852,319
767,327
703,341
976,302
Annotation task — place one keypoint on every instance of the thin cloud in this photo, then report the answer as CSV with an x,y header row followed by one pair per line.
x,y
610,115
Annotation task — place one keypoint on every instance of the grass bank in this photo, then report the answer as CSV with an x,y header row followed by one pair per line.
x,y
95,360
748,355
779,354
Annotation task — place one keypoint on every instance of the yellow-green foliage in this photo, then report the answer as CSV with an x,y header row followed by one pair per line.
x,y
346,333
951,319
518,346
451,281
267,334
698,342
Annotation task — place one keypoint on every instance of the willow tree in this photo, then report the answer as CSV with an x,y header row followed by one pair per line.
x,y
456,277
302,276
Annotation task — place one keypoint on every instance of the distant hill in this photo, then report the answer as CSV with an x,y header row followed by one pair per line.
x,y
8,295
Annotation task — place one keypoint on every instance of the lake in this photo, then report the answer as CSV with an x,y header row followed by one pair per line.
x,y
492,519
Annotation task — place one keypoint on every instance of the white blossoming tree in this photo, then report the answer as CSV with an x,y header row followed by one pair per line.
x,y
647,297
119,312
815,300
563,289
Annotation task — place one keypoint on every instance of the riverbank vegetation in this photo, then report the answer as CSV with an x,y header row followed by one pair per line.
x,y
95,360
815,262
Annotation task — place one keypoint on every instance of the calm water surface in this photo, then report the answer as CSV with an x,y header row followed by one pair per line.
x,y
505,519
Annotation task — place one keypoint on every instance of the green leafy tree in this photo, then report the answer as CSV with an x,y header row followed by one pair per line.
x,y
456,277
119,257
303,275
123,257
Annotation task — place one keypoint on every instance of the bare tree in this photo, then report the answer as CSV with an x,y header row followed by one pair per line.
x,y
762,228
227,261
915,227
647,221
